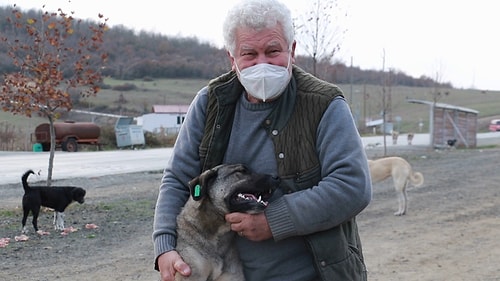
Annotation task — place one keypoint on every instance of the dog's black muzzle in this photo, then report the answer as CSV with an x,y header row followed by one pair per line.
x,y
254,199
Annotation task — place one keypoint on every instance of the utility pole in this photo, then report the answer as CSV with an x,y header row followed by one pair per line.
x,y
384,84
365,97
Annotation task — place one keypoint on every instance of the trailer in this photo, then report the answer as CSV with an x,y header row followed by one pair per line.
x,y
69,135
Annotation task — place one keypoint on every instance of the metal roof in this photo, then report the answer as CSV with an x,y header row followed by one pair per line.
x,y
177,108
444,105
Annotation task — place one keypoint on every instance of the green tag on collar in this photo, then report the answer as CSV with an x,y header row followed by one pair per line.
x,y
197,190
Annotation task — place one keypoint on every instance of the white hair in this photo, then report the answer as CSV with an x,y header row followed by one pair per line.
x,y
257,15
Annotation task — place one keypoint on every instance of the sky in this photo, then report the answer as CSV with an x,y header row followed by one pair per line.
x,y
450,41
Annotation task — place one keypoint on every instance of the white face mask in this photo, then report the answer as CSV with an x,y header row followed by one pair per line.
x,y
265,81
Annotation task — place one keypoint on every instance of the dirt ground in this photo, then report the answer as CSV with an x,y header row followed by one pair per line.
x,y
450,232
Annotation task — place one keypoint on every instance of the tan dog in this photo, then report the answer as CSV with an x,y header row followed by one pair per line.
x,y
402,174
395,135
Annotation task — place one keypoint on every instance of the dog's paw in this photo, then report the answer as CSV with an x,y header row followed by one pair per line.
x,y
59,221
59,227
399,213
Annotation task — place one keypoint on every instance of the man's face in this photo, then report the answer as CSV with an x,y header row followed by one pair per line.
x,y
265,46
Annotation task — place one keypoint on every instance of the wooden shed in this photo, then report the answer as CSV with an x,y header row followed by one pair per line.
x,y
449,122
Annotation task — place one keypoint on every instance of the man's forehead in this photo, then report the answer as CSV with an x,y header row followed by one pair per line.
x,y
253,45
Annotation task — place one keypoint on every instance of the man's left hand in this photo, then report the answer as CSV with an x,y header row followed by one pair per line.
x,y
251,226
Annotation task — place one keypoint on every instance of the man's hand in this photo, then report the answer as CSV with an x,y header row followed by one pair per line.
x,y
170,263
252,226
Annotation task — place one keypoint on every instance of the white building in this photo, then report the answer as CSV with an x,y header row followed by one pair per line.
x,y
165,118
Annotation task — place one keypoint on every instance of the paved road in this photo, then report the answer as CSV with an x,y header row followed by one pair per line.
x,y
483,139
99,163
82,164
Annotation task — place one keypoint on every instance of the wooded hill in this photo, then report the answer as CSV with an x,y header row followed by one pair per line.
x,y
142,55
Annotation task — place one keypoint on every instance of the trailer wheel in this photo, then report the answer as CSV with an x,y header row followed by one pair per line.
x,y
70,145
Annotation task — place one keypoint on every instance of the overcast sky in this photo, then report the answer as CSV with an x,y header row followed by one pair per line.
x,y
456,40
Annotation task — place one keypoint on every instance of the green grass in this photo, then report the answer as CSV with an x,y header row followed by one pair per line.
x,y
19,120
10,213
113,211
10,219
149,93
139,207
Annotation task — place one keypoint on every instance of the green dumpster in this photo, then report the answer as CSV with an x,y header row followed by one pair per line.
x,y
37,147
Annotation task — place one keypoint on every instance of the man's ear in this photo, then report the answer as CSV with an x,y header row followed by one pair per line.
x,y
231,60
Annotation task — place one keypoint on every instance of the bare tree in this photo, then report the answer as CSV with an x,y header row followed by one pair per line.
x,y
437,91
436,94
53,54
319,31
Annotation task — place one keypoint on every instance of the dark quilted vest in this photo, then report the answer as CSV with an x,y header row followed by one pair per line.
x,y
292,125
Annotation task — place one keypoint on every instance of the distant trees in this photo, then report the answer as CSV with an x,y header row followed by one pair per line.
x,y
51,55
142,55
134,55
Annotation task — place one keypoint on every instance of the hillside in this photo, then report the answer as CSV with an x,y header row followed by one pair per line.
x,y
365,99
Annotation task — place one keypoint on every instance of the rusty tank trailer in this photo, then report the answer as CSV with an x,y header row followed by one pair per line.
x,y
69,135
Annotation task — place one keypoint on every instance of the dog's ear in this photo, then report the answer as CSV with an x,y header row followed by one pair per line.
x,y
197,192
199,185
